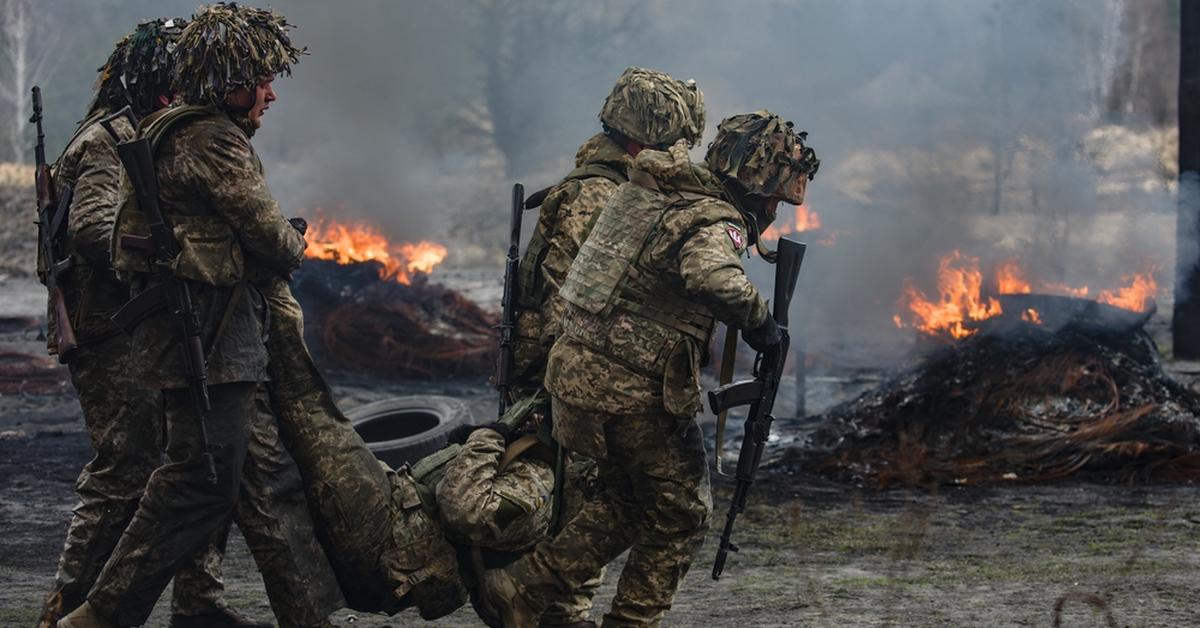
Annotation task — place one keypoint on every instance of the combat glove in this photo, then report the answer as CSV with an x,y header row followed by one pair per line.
x,y
764,337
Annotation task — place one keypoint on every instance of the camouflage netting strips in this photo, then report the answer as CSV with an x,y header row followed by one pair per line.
x,y
363,323
1029,405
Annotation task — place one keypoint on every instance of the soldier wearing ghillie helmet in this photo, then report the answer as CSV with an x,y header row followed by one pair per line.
x,y
233,240
121,419
646,109
661,265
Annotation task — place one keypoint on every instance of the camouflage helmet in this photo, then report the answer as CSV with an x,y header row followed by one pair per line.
x,y
138,69
762,152
654,109
229,46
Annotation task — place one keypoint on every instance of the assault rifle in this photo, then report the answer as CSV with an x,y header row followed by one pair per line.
x,y
52,222
758,393
508,302
172,291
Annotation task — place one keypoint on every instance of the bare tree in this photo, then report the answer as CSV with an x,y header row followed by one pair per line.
x,y
516,38
29,54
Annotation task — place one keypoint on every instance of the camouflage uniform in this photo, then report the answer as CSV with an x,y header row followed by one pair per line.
x,y
122,421
389,533
661,265
567,215
382,539
211,186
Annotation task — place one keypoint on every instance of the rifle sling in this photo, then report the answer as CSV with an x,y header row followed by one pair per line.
x,y
728,357
514,451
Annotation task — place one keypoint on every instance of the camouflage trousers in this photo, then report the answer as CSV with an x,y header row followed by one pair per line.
x,y
655,501
181,511
387,551
582,485
123,426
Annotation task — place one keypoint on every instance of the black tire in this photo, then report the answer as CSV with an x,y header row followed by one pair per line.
x,y
405,429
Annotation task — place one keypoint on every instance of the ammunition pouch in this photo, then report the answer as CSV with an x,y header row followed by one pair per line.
x,y
209,250
422,565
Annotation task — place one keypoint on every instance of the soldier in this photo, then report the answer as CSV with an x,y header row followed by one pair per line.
x,y
122,421
659,268
646,109
233,242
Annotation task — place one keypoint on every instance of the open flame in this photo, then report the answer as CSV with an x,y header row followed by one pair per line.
x,y
1135,296
1010,279
805,220
347,243
962,300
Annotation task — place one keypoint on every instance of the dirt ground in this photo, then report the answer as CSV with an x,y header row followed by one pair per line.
x,y
813,552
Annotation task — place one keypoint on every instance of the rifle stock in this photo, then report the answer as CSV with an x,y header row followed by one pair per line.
x,y
759,394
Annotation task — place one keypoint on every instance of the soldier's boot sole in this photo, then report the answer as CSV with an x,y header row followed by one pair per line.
x,y
502,598
85,617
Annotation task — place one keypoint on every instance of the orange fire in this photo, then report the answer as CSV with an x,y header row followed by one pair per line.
x,y
1064,290
1135,296
1010,279
960,299
347,243
805,220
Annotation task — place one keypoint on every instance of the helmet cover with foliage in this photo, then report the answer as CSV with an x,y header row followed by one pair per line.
x,y
139,69
654,109
764,154
229,46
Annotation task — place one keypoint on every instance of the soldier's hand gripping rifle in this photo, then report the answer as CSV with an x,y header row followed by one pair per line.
x,y
137,158
758,393
52,223
508,302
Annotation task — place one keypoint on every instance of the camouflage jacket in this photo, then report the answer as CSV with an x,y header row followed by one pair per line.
x,y
89,164
566,216
482,505
213,189
686,272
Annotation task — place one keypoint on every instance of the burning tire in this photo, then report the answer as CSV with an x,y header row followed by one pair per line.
x,y
406,429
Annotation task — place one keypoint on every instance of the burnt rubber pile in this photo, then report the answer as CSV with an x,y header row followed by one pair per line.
x,y
359,321
1019,401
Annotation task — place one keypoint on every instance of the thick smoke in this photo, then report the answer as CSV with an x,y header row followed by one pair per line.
x,y
1004,129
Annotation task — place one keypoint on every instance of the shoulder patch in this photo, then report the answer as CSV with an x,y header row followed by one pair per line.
x,y
736,236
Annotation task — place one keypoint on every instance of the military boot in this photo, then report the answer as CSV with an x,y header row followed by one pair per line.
x,y
85,617
582,623
502,598
220,618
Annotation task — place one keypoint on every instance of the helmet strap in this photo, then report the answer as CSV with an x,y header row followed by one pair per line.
x,y
737,196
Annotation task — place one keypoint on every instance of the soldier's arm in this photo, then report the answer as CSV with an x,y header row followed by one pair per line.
x,y
96,197
473,502
711,268
235,182
469,483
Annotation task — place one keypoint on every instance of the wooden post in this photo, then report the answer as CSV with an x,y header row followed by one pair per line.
x,y
1185,322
